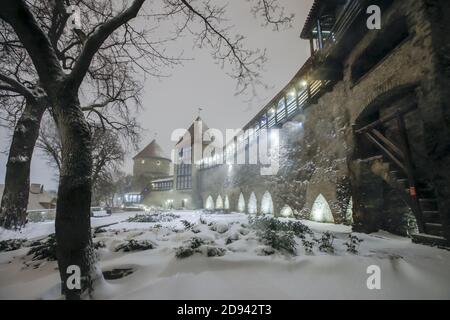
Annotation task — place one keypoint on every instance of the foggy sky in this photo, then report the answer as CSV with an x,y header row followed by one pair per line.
x,y
173,102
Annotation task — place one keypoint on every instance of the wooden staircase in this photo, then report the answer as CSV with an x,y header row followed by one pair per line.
x,y
396,168
432,227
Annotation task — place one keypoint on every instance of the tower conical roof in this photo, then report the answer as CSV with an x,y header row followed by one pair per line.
x,y
152,150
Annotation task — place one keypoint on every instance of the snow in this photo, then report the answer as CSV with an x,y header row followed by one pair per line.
x,y
408,271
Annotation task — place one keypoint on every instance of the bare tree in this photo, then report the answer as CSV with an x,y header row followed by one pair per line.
x,y
109,22
107,152
24,103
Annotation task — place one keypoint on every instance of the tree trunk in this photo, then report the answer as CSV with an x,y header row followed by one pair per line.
x,y
13,210
73,225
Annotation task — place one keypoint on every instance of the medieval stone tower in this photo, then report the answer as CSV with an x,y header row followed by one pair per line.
x,y
149,164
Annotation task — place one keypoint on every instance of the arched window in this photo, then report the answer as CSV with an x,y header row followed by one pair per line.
x,y
226,204
252,204
219,202
286,212
321,211
241,203
267,203
209,204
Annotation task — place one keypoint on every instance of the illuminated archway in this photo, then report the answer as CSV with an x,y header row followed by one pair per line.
x,y
267,203
241,203
209,204
252,204
226,203
321,211
287,212
219,202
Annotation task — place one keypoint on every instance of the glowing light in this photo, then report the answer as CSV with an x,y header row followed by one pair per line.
x,y
304,83
219,202
272,111
252,204
287,212
321,211
292,93
209,205
226,203
241,203
267,203
349,212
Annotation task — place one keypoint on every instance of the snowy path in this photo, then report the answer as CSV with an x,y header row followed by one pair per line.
x,y
408,271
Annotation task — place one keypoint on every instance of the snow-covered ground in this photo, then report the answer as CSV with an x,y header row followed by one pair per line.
x,y
408,271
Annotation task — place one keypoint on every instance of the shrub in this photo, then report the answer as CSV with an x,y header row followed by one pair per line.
x,y
280,235
279,240
326,242
11,245
198,245
135,245
308,246
187,225
353,244
183,252
152,218
44,250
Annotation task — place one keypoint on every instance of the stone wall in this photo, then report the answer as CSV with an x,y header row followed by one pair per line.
x,y
324,156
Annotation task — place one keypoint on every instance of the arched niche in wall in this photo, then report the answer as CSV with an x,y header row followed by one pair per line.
x,y
226,203
209,204
267,203
321,211
286,212
219,202
241,203
252,204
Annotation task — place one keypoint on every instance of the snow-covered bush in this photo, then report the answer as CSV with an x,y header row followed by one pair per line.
x,y
99,244
214,251
308,246
277,234
152,218
279,240
219,227
353,244
198,245
11,244
234,237
44,250
135,245
187,225
326,242
265,251
189,248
